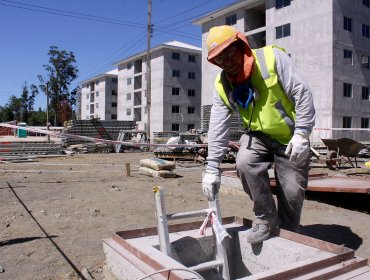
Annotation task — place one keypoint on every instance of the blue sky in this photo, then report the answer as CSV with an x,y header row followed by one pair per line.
x,y
115,29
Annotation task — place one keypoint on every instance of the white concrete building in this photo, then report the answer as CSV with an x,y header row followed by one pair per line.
x,y
99,97
328,41
175,88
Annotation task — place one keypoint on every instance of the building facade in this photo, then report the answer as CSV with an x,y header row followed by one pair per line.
x,y
98,97
175,88
330,45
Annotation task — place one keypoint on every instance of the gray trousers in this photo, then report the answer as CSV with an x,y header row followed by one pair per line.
x,y
255,157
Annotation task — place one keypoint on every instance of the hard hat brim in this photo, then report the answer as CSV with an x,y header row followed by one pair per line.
x,y
238,36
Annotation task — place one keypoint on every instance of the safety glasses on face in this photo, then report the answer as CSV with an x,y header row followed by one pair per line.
x,y
226,54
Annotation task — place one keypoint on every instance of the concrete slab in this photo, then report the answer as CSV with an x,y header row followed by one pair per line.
x,y
134,254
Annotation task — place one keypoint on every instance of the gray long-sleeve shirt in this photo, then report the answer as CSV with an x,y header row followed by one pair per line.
x,y
294,86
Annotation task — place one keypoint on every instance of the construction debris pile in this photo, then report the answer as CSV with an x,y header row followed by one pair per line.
x,y
187,151
16,151
106,130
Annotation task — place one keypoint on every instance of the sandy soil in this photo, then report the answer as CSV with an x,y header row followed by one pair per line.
x,y
55,212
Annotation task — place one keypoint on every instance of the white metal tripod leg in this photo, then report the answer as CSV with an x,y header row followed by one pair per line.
x,y
221,253
160,207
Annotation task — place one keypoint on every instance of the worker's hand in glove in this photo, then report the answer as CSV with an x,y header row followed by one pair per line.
x,y
211,182
298,147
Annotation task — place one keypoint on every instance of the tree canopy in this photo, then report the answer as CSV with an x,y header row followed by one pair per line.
x,y
61,71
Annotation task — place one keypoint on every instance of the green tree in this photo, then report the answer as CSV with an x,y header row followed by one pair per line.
x,y
61,72
27,101
14,108
37,117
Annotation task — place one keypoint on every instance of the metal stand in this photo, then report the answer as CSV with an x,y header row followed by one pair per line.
x,y
220,262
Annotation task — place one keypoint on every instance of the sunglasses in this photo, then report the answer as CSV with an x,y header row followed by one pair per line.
x,y
226,54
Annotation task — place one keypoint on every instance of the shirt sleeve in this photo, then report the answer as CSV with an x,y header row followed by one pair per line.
x,y
297,91
218,132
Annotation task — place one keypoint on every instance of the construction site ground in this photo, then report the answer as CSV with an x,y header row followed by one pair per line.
x,y
56,211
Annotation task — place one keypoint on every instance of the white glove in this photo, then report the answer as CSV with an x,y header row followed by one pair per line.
x,y
298,147
211,182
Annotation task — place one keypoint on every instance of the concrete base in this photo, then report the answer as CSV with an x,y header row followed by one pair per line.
x,y
134,254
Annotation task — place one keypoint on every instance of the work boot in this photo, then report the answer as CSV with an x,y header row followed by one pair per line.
x,y
262,228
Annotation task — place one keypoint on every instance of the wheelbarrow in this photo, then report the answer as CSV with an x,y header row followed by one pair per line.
x,y
342,152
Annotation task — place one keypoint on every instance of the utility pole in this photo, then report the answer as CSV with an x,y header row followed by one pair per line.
x,y
47,109
148,69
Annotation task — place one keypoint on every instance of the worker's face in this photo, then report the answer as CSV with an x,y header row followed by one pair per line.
x,y
230,60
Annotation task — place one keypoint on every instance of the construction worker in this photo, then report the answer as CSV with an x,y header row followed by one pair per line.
x,y
276,110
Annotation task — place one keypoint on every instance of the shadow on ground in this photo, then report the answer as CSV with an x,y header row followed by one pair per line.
x,y
337,234
351,201
22,240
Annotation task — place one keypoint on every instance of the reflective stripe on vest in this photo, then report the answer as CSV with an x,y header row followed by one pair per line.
x,y
273,113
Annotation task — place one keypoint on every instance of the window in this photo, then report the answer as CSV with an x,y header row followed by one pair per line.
x,y
231,20
87,96
347,90
129,65
97,82
191,126
191,58
191,110
347,55
114,104
347,24
282,31
176,56
191,92
281,3
96,105
97,93
365,93
128,112
365,61
128,96
364,122
347,122
175,109
129,81
175,91
191,75
366,30
175,127
114,93
175,73
113,117
114,80
87,107
366,3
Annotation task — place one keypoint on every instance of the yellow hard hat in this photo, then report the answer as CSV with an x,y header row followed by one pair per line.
x,y
219,35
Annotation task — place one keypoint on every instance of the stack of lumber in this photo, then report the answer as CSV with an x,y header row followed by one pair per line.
x,y
155,167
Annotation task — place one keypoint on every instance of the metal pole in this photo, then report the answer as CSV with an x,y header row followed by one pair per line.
x,y
162,224
221,254
47,109
148,70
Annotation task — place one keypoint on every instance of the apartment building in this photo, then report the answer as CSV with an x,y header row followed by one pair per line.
x,y
175,88
98,97
328,41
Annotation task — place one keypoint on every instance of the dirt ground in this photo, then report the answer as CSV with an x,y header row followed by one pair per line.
x,y
56,211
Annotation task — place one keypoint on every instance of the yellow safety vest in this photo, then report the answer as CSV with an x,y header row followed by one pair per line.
x,y
272,112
